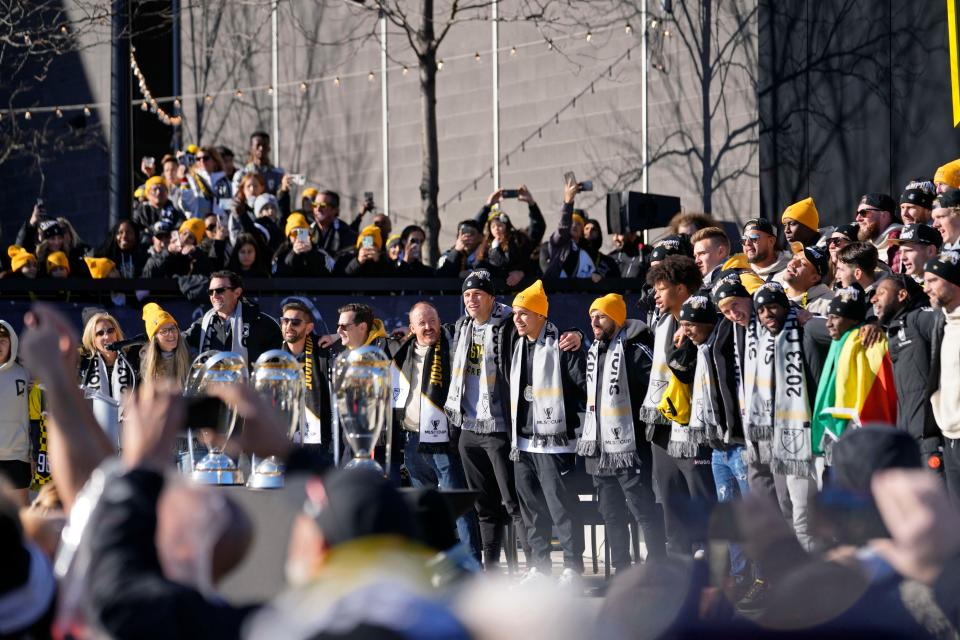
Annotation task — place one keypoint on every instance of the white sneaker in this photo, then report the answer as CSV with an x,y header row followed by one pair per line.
x,y
570,579
532,576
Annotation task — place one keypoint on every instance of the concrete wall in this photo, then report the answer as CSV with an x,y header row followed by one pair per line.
x,y
332,132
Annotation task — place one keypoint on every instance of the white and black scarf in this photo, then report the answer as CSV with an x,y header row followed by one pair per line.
x,y
311,426
704,409
485,421
585,265
238,331
546,409
792,451
659,372
433,429
608,432
776,413
119,382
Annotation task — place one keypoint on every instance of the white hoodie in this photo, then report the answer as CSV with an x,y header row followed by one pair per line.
x,y
946,400
14,416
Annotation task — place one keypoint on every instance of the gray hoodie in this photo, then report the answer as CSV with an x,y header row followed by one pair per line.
x,y
14,416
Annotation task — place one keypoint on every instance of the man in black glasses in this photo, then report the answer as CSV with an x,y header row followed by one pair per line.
x,y
234,323
299,339
879,219
760,246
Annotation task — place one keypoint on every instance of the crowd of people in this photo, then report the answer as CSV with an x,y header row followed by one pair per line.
x,y
789,413
203,213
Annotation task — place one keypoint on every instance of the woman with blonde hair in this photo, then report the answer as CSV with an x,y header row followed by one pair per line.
x,y
166,356
111,373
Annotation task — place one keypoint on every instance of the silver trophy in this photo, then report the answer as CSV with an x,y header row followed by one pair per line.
x,y
363,387
216,367
278,377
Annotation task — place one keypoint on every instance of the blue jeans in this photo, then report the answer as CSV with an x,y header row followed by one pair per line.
x,y
443,471
730,476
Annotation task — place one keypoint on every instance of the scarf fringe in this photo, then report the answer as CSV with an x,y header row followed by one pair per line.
x,y
554,440
481,426
514,454
761,433
619,461
651,416
433,447
588,448
802,468
682,449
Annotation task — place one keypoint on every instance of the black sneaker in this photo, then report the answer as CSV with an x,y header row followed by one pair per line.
x,y
755,598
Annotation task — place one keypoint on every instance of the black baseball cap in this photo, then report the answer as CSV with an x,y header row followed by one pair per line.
x,y
919,233
850,230
674,245
479,279
849,302
770,293
760,224
879,201
917,197
819,258
949,198
357,503
946,265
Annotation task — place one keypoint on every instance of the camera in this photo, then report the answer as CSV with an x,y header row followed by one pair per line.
x,y
298,179
510,193
303,234
586,185
367,242
368,199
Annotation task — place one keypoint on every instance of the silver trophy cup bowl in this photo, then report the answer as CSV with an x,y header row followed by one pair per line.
x,y
210,368
278,377
362,391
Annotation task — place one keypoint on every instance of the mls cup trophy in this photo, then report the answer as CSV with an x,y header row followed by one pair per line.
x,y
278,377
363,387
216,367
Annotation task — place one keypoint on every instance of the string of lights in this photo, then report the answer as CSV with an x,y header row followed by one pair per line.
x,y
148,102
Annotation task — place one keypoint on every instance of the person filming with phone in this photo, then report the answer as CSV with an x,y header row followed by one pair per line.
x,y
297,257
410,264
369,260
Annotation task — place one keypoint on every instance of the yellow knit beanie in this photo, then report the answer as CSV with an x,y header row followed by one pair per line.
x,y
612,306
805,212
155,317
533,299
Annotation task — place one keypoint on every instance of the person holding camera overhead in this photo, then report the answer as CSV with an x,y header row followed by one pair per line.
x,y
410,264
507,250
561,256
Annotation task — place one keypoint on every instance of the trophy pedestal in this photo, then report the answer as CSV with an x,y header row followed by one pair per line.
x,y
217,468
267,474
365,464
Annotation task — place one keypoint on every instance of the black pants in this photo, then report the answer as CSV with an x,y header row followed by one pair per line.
x,y
951,468
487,467
686,490
547,503
630,489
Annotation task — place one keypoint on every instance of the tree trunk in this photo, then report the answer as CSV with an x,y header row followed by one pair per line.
x,y
706,11
430,181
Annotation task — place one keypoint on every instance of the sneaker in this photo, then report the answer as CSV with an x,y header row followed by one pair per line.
x,y
755,598
570,579
532,576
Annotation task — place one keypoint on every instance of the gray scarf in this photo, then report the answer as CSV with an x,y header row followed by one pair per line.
x,y
659,372
238,331
486,420
546,397
613,421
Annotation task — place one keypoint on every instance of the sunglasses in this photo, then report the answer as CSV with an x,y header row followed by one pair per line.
x,y
212,227
106,332
863,212
219,290
204,158
750,239
321,205
296,322
343,327
831,241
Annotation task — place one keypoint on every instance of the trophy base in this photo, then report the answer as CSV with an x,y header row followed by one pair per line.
x,y
268,474
365,464
217,469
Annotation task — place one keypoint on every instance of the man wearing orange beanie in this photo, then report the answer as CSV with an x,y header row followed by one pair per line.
x,y
614,447
546,395
801,222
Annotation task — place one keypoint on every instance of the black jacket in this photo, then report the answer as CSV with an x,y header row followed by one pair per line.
x,y
910,336
572,375
638,349
726,368
287,264
413,270
262,331
168,265
340,237
128,593
317,396
380,268
145,215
